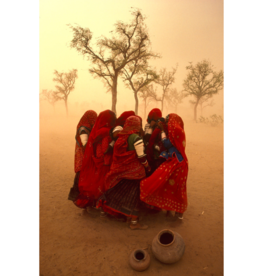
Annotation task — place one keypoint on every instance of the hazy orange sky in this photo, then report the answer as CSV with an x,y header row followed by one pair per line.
x,y
180,30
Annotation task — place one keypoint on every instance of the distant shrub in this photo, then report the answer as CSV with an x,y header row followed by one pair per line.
x,y
213,120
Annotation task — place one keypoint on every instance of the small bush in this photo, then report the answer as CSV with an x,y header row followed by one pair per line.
x,y
213,120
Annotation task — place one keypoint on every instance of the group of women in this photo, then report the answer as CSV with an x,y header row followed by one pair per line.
x,y
120,167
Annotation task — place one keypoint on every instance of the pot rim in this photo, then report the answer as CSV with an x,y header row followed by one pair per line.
x,y
136,251
166,231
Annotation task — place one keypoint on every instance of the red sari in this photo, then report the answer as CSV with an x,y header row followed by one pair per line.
x,y
166,187
87,121
96,164
154,139
120,121
154,115
122,182
125,163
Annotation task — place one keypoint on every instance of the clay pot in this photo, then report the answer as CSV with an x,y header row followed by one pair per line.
x,y
139,260
168,246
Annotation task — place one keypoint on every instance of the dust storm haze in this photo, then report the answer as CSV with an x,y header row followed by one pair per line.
x,y
181,32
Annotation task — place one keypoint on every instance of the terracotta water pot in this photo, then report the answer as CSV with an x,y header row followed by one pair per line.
x,y
139,260
168,246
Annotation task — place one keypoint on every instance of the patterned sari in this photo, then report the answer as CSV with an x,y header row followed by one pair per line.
x,y
122,182
96,164
166,187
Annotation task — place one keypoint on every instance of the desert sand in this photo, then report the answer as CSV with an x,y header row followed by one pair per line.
x,y
75,243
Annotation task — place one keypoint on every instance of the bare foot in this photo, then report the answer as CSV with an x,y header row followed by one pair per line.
x,y
179,215
138,226
170,216
87,214
103,214
104,217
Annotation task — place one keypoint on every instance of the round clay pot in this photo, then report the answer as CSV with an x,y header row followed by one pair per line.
x,y
168,246
139,260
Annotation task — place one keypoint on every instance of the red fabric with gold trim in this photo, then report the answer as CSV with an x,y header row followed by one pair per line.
x,y
95,163
87,120
166,187
154,114
120,121
125,163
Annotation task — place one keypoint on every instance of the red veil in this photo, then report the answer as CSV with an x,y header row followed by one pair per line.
x,y
94,169
87,120
166,187
154,114
120,121
125,163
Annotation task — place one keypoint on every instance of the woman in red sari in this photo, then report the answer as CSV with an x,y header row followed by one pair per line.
x,y
153,138
166,187
96,164
127,169
120,121
153,116
83,130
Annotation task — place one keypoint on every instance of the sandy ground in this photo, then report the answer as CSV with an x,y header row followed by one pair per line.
x,y
73,243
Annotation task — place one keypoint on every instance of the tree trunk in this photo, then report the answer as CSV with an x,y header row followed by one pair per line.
x,y
145,111
195,111
114,94
166,109
136,104
66,106
162,101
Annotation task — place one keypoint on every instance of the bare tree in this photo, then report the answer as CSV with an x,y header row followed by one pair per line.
x,y
67,84
138,75
130,42
201,81
148,94
174,98
49,96
165,80
206,101
203,103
